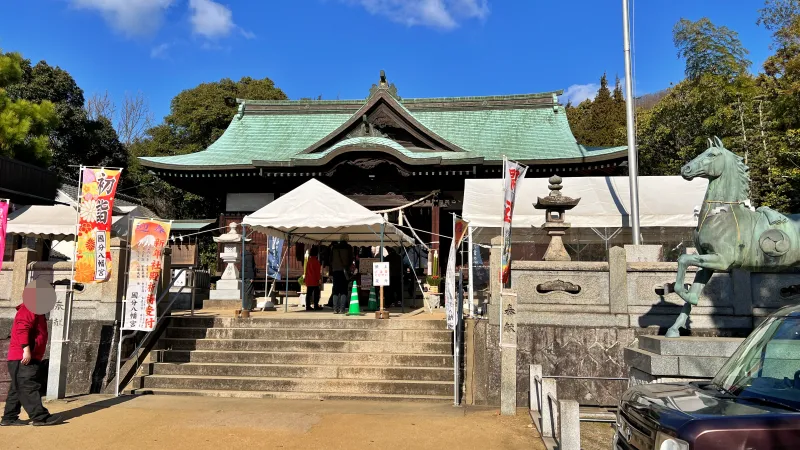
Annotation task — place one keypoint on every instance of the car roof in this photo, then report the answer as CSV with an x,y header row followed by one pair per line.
x,y
788,311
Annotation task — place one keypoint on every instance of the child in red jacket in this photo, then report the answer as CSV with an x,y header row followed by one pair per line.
x,y
25,353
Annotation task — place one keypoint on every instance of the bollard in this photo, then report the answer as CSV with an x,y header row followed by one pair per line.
x,y
549,409
569,425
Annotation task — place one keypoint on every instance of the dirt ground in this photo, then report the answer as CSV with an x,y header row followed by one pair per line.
x,y
596,435
158,422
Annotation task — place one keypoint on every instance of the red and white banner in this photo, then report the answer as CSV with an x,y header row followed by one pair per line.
x,y
3,225
147,246
513,174
96,200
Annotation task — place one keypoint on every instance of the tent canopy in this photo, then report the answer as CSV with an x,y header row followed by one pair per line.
x,y
605,202
316,213
58,221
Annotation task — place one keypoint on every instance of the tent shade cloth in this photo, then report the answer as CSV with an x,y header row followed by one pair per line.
x,y
605,202
43,221
315,212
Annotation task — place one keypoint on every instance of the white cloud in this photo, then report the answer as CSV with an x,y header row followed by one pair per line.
x,y
579,92
442,14
131,17
211,19
160,51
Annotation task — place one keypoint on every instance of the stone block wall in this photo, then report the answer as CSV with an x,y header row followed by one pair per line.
x,y
576,319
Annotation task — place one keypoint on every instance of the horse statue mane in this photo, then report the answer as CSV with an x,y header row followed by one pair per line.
x,y
730,233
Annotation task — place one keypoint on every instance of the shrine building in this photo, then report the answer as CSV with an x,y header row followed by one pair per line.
x,y
383,151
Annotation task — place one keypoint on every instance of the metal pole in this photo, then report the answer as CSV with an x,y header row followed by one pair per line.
x,y
119,348
194,285
74,253
244,236
383,227
471,285
633,161
286,294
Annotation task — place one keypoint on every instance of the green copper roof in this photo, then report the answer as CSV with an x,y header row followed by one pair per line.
x,y
516,129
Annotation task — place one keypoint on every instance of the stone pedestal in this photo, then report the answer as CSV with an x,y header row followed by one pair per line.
x,y
658,359
644,253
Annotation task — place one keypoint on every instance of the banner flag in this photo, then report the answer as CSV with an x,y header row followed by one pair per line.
x,y
93,251
3,226
147,245
460,231
513,173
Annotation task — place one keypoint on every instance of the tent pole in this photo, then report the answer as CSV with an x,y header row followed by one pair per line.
x,y
286,294
383,227
244,236
470,258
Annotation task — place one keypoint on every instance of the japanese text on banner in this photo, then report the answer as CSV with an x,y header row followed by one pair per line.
x,y
93,263
147,246
514,173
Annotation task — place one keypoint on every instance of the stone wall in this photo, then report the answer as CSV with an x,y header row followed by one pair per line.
x,y
576,319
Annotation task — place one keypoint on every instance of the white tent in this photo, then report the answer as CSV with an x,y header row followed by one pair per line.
x,y
605,202
316,213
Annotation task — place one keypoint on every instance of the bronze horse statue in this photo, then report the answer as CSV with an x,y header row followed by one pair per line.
x,y
730,234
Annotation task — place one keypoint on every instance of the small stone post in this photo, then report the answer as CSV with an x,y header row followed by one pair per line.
x,y
22,259
555,206
549,410
508,352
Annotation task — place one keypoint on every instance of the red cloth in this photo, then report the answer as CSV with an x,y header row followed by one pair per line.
x,y
28,329
313,271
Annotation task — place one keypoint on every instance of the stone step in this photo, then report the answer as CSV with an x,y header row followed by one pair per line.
x,y
304,371
342,359
362,323
296,395
333,386
222,304
690,346
430,348
310,334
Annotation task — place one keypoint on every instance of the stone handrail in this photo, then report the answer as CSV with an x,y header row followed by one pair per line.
x,y
558,421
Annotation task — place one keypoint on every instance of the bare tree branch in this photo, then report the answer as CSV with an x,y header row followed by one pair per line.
x,y
135,118
100,105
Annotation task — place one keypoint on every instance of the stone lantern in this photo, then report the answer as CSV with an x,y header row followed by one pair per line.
x,y
555,206
229,286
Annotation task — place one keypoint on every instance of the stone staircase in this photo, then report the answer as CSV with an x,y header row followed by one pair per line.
x,y
301,359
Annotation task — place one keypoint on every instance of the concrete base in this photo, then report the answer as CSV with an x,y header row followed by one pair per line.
x,y
644,253
658,359
225,294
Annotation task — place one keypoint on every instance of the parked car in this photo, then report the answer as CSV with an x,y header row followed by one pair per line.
x,y
753,403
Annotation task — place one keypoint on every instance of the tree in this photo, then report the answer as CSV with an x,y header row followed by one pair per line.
x,y
24,124
709,50
134,118
100,105
600,122
77,139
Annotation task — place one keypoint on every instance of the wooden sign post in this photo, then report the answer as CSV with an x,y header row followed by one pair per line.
x,y
380,277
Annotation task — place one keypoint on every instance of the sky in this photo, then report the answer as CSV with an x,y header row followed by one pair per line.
x,y
336,48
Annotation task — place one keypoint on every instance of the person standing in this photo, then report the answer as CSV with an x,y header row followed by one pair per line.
x,y
312,279
25,353
341,261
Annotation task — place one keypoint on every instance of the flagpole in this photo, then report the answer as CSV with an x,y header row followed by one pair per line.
x,y
633,162
74,254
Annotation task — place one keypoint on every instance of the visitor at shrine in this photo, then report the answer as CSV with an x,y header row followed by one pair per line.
x,y
313,279
341,262
25,354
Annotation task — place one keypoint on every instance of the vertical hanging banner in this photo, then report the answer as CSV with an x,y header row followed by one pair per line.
x,y
513,173
93,252
3,225
147,245
459,231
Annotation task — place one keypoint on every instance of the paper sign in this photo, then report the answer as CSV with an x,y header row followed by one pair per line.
x,y
380,274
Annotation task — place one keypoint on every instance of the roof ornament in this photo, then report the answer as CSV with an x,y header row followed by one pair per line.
x,y
240,112
384,85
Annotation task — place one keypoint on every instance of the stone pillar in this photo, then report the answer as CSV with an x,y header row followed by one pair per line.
x,y
618,280
508,354
22,259
59,346
469,361
549,417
